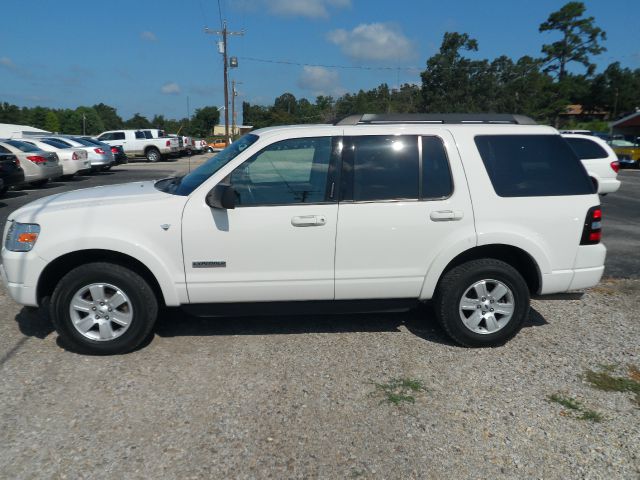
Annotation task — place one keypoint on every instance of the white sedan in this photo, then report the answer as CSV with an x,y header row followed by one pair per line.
x,y
598,159
73,160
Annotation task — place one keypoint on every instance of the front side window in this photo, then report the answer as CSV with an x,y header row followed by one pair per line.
x,y
22,146
287,172
140,135
532,166
384,167
118,136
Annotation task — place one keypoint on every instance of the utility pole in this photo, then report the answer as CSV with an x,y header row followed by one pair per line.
x,y
234,94
224,33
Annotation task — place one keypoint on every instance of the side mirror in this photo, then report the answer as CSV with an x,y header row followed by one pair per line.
x,y
222,196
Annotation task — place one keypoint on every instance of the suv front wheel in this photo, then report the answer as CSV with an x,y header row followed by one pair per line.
x,y
482,303
103,308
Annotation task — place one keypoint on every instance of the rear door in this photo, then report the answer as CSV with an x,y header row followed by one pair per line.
x,y
404,199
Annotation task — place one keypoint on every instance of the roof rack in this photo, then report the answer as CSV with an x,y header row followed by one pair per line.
x,y
435,118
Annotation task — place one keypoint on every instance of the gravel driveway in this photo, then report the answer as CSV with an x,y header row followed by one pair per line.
x,y
294,398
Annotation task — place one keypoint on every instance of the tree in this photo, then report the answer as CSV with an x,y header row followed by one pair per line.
x,y
51,122
203,121
580,38
138,121
453,83
109,116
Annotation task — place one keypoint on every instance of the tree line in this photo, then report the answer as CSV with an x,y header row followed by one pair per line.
x,y
99,118
452,82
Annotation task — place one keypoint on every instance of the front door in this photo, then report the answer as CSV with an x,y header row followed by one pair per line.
x,y
278,244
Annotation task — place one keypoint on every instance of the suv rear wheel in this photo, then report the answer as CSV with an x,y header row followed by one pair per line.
x,y
482,303
103,308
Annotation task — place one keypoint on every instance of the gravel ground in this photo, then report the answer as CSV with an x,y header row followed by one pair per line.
x,y
292,398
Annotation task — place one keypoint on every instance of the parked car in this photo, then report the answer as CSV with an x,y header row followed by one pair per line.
x,y
376,211
73,160
216,145
119,157
628,153
136,144
599,159
11,173
39,166
98,157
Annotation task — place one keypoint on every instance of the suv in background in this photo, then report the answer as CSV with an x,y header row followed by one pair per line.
x,y
474,213
599,159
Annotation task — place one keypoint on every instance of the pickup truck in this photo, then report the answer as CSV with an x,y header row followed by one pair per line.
x,y
136,144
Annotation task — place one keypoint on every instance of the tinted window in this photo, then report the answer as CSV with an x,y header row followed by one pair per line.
x,y
140,135
53,143
82,141
118,136
146,134
384,167
287,172
22,146
436,176
586,149
532,165
4,150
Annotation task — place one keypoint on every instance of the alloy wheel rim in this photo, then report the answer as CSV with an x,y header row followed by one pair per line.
x,y
101,312
487,306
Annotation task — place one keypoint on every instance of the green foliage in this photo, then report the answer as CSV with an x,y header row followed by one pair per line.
x,y
399,390
606,381
580,38
203,121
138,121
575,408
109,116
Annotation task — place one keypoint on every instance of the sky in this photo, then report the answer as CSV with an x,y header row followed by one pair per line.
x,y
153,57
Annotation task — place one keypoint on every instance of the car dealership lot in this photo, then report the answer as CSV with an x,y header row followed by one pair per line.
x,y
295,396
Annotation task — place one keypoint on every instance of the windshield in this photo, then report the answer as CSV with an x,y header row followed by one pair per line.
x,y
622,143
188,183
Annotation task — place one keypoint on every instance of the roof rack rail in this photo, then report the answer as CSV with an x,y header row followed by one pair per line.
x,y
435,118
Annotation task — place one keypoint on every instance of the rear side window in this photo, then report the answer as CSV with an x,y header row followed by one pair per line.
x,y
140,135
385,167
586,149
436,176
532,166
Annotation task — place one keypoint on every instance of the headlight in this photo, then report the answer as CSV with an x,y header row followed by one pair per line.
x,y
21,237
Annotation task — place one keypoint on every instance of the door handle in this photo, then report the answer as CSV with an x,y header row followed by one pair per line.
x,y
308,221
446,215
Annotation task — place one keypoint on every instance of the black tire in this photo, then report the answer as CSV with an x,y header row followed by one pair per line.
x,y
39,183
142,298
106,168
153,155
209,150
452,288
3,190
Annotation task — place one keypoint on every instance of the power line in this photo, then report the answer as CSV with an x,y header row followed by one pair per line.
x,y
220,13
351,67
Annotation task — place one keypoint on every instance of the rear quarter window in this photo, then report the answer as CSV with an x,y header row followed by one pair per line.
x,y
586,149
532,166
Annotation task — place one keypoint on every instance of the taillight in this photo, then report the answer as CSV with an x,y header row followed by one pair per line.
x,y
74,156
37,159
592,232
99,151
615,166
168,143
114,150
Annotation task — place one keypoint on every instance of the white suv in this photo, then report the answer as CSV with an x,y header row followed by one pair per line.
x,y
599,159
475,213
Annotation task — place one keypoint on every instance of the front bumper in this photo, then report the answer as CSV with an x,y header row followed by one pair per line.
x,y
20,272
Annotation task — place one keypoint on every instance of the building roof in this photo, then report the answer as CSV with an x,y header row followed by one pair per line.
x,y
11,130
632,120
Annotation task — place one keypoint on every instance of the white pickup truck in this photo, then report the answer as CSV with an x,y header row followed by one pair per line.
x,y
136,144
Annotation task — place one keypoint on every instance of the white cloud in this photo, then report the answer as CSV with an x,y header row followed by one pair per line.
x,y
7,62
373,41
148,36
170,88
320,81
293,8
